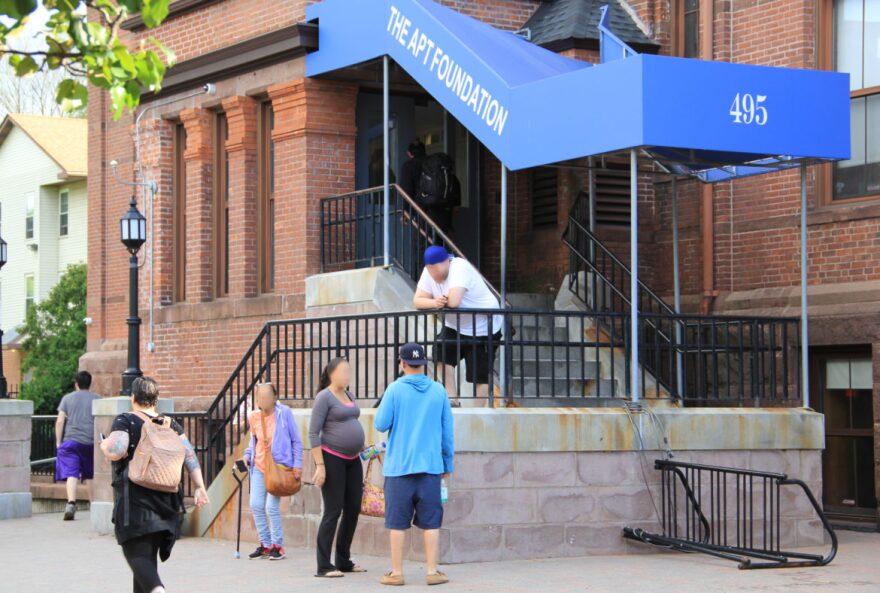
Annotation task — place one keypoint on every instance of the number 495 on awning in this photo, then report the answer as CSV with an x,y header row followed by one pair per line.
x,y
748,109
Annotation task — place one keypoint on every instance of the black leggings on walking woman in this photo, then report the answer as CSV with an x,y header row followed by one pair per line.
x,y
342,492
142,555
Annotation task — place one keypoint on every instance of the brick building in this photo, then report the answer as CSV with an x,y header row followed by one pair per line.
x,y
236,222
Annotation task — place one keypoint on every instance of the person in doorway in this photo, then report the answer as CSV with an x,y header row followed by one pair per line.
x,y
439,191
417,414
273,432
75,439
337,438
453,283
147,521
411,170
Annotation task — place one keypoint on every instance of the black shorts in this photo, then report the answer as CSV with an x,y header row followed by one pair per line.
x,y
451,348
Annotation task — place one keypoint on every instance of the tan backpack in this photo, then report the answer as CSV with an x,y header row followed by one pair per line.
x,y
158,459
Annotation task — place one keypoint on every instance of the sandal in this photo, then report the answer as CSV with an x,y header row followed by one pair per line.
x,y
355,568
332,574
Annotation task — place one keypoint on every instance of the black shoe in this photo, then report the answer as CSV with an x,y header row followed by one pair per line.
x,y
70,511
276,553
261,552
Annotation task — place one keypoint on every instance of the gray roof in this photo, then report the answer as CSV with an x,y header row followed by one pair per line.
x,y
561,22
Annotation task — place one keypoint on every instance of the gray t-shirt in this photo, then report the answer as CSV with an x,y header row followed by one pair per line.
x,y
335,425
80,425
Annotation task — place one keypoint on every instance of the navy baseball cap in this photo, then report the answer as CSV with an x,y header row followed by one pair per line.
x,y
436,254
413,354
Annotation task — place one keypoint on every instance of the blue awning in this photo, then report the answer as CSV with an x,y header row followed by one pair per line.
x,y
532,107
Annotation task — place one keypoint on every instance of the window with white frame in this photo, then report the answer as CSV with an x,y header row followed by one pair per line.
x,y
63,212
29,207
29,293
856,50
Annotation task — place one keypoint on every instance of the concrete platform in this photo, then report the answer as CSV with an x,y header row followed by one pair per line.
x,y
71,552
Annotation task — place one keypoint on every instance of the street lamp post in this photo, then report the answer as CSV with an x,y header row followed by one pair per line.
x,y
133,226
4,393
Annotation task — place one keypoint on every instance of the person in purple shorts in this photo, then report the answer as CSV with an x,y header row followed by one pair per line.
x,y
75,439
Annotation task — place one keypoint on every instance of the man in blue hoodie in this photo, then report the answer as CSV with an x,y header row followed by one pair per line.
x,y
416,411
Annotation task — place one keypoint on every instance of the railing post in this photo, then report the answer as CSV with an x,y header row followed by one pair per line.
x,y
323,247
634,274
268,329
676,279
805,341
503,385
386,160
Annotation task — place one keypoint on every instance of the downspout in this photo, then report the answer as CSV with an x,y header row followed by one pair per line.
x,y
707,202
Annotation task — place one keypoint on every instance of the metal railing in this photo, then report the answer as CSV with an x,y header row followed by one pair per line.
x,y
553,354
731,513
700,360
546,354
195,426
43,445
722,361
352,232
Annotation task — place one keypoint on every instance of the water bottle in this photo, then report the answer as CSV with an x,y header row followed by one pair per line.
x,y
373,451
444,492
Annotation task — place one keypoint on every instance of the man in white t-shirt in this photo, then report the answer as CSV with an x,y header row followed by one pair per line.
x,y
453,283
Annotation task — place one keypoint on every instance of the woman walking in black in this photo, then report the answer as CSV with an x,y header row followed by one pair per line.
x,y
147,521
337,439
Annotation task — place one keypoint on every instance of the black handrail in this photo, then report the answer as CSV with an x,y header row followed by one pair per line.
x,y
717,515
699,359
352,232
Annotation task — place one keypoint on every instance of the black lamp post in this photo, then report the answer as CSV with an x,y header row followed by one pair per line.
x,y
4,393
134,234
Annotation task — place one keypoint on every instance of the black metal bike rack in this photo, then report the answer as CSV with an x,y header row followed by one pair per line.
x,y
730,513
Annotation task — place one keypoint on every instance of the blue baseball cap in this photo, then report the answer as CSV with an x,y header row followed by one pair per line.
x,y
436,254
413,354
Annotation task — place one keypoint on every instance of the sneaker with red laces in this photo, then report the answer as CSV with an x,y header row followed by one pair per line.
x,y
276,553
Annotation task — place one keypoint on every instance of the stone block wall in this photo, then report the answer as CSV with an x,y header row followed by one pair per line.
x,y
570,492
15,453
512,506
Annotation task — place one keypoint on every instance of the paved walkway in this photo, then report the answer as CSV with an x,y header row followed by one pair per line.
x,y
45,555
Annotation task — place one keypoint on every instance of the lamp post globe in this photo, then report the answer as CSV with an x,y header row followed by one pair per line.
x,y
4,393
133,228
133,234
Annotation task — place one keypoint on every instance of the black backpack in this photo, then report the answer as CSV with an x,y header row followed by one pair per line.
x,y
438,185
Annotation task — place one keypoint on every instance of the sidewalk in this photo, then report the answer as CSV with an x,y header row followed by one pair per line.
x,y
45,555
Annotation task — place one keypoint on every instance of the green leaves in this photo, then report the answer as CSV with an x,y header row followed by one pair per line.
x,y
91,49
23,65
54,339
154,12
72,95
17,9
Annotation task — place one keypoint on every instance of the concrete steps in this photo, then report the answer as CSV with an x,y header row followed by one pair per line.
x,y
552,371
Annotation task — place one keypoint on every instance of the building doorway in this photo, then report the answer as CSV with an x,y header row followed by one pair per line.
x,y
420,117
844,393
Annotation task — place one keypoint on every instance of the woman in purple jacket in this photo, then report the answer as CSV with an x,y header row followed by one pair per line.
x,y
273,424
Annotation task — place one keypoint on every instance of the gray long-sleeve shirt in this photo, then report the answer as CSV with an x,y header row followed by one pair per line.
x,y
335,425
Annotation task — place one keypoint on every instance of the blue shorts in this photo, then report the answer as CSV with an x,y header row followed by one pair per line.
x,y
415,495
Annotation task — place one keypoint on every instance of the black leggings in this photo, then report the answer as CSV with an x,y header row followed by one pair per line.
x,y
342,493
142,555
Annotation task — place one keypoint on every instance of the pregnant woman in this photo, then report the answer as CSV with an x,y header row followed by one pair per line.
x,y
337,438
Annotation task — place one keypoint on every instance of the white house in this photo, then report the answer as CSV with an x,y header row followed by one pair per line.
x,y
43,210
